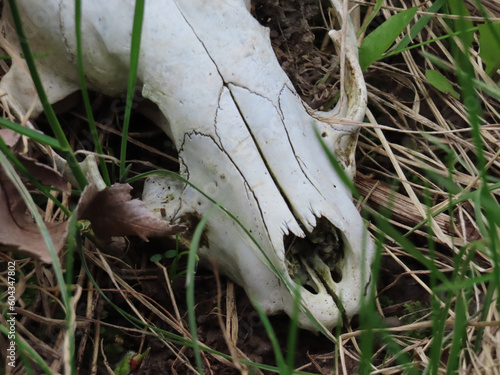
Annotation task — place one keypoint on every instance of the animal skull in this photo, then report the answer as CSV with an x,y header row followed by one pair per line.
x,y
243,136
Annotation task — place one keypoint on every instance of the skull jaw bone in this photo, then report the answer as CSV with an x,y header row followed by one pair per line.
x,y
241,132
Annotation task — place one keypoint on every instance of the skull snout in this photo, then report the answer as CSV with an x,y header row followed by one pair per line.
x,y
316,259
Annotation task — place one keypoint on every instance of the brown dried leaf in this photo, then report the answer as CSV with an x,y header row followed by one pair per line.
x,y
45,174
10,137
18,232
113,213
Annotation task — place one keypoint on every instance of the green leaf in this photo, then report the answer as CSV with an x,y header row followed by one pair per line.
x,y
489,45
123,367
378,41
130,362
440,82
171,253
367,21
155,258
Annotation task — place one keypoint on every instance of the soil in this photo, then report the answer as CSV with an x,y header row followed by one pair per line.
x,y
301,44
251,337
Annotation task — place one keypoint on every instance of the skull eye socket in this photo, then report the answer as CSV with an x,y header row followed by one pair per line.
x,y
315,262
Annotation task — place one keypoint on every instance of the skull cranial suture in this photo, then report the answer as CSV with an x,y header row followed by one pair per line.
x,y
243,136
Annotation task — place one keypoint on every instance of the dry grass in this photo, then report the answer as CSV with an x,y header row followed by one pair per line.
x,y
392,159
403,100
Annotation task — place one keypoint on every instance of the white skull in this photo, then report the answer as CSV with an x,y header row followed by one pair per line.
x,y
242,133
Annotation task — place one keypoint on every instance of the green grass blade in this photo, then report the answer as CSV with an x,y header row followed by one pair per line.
x,y
25,350
385,227
293,332
85,95
280,361
367,21
73,236
419,26
459,333
436,312
467,283
31,133
436,350
490,295
437,61
492,213
191,270
337,167
132,78
464,197
493,91
430,41
369,318
49,111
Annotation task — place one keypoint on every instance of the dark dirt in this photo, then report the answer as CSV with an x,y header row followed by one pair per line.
x,y
301,43
252,337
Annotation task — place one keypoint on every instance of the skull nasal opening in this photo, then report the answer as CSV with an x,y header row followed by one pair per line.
x,y
316,261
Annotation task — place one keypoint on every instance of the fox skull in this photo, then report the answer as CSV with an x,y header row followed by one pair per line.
x,y
243,135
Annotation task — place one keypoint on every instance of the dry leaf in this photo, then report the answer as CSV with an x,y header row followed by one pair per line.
x,y
10,137
44,174
113,212
18,232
